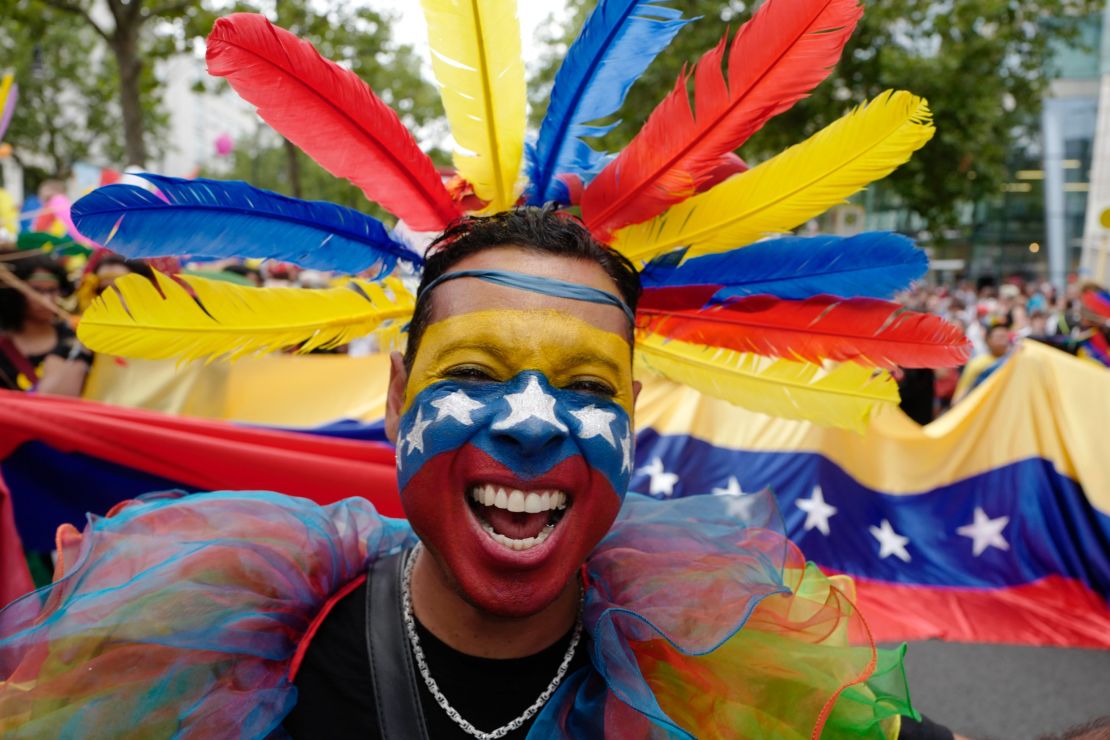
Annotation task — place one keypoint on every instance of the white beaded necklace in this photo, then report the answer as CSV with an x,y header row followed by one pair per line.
x,y
418,652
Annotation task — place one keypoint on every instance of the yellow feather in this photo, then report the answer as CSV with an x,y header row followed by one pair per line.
x,y
475,48
228,320
840,395
792,187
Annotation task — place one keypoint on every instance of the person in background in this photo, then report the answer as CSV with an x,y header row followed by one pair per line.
x,y
997,340
39,351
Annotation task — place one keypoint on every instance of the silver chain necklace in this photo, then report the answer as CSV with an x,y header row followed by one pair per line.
x,y
418,652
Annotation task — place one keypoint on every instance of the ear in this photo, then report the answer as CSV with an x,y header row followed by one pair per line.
x,y
395,398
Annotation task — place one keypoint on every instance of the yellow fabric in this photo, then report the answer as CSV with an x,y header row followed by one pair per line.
x,y
298,391
476,58
1041,403
843,395
792,187
971,372
212,318
501,344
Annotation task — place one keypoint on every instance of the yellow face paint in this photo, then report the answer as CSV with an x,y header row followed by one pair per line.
x,y
500,344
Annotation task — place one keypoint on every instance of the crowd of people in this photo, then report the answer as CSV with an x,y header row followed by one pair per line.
x,y
995,316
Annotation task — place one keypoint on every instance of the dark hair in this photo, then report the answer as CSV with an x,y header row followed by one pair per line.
x,y
136,266
540,230
13,304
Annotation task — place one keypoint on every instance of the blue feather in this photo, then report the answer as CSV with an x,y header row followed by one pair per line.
x,y
618,42
870,265
233,219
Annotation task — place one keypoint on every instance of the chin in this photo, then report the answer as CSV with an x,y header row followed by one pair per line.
x,y
508,544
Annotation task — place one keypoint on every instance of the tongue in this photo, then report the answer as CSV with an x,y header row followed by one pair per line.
x,y
515,525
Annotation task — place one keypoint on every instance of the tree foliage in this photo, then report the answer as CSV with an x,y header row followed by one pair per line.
x,y
982,64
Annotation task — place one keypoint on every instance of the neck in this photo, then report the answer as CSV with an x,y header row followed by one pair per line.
x,y
443,612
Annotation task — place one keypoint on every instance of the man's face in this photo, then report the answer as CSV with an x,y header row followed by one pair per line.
x,y
998,340
514,430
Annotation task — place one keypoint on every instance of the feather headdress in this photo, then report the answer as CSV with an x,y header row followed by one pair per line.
x,y
797,327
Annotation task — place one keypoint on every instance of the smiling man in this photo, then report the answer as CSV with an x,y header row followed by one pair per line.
x,y
512,415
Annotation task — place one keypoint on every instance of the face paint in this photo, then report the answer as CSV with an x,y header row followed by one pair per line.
x,y
515,450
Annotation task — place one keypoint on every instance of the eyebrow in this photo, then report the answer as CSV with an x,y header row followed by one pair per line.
x,y
487,347
586,358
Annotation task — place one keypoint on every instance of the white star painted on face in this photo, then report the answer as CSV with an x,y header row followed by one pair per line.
x,y
458,406
740,503
530,403
817,511
890,542
985,532
626,452
415,436
596,423
662,482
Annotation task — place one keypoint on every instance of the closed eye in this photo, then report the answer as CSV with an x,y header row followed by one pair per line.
x,y
470,372
593,387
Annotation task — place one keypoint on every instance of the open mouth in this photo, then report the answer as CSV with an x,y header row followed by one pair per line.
x,y
516,519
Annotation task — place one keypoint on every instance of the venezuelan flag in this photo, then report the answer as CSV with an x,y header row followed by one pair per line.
x,y
992,524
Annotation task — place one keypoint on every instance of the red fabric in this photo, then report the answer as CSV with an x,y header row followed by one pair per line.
x,y
15,578
1038,613
302,647
206,454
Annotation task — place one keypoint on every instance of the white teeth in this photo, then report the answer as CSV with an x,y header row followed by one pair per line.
x,y
525,544
511,499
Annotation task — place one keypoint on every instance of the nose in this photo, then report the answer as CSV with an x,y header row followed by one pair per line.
x,y
531,427
533,438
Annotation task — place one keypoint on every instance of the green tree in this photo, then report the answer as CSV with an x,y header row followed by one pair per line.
x,y
135,33
360,39
60,117
982,64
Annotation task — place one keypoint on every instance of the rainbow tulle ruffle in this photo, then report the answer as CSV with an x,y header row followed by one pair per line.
x,y
178,615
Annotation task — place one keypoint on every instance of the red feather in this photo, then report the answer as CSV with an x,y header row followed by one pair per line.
x,y
777,58
331,114
865,330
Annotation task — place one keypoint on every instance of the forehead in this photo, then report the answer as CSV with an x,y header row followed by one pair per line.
x,y
469,295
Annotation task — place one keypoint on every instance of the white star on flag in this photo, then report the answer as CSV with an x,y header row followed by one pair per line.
x,y
740,503
817,511
985,532
662,482
626,452
890,542
415,437
531,403
458,406
595,423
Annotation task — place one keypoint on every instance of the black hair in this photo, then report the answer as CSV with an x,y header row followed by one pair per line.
x,y
136,266
13,304
541,230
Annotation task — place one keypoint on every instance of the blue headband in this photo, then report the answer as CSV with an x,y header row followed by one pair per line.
x,y
536,284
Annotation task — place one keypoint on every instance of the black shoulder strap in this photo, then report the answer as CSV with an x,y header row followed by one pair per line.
x,y
392,671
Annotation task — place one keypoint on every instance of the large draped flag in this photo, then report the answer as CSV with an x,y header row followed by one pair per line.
x,y
991,524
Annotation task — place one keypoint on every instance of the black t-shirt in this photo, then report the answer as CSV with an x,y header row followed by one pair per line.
x,y
10,376
335,696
